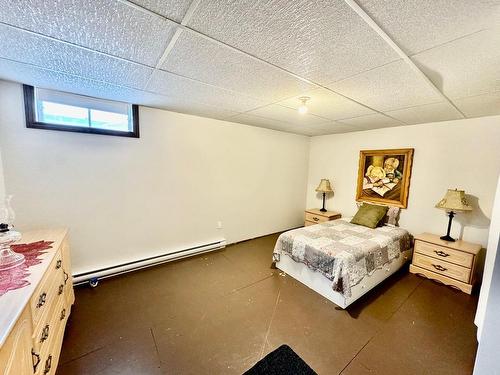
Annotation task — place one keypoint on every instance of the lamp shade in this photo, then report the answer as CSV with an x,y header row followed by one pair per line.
x,y
454,200
324,186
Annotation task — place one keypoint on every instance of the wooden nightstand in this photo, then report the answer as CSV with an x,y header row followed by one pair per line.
x,y
452,263
315,216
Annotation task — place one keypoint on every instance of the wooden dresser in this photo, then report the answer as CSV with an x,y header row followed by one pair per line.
x,y
315,216
452,263
33,318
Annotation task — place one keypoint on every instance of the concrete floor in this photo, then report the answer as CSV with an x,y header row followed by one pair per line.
x,y
221,312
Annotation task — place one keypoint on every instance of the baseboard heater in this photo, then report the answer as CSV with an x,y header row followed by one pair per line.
x,y
95,275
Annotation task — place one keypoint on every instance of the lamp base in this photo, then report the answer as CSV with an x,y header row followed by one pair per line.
x,y
323,209
447,238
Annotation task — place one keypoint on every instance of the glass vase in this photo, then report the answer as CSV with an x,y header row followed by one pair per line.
x,y
8,258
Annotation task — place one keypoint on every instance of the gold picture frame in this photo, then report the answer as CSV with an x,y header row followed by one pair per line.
x,y
384,176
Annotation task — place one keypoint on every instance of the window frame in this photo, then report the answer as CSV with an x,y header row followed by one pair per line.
x,y
32,123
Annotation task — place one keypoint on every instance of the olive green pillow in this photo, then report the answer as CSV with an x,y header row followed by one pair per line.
x,y
369,215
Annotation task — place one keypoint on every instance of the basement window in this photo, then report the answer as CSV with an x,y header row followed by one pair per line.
x,y
56,110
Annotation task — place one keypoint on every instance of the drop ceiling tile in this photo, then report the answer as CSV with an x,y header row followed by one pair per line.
x,y
338,128
426,113
249,119
371,122
169,84
172,9
320,40
480,105
391,86
32,75
19,72
47,53
183,105
287,115
466,67
199,58
327,104
416,25
108,26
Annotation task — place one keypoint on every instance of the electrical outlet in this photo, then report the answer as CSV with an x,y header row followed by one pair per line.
x,y
219,225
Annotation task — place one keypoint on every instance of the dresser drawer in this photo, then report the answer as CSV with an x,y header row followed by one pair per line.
x,y
315,218
44,331
442,267
443,253
46,291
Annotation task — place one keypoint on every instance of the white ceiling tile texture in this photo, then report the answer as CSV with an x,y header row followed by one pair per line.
x,y
321,40
288,115
258,57
172,9
210,62
32,75
327,104
417,25
107,26
480,105
43,52
388,87
426,113
371,122
64,82
465,67
169,84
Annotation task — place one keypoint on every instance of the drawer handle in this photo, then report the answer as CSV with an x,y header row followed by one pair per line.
x,y
45,333
48,364
439,268
41,300
66,277
315,218
441,253
61,287
63,314
58,264
36,359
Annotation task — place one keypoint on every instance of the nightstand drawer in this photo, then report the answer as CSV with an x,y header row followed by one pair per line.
x,y
443,253
307,223
316,218
441,267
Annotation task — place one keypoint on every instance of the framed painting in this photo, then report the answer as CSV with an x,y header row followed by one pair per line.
x,y
384,176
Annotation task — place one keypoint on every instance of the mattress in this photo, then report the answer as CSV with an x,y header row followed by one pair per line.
x,y
343,252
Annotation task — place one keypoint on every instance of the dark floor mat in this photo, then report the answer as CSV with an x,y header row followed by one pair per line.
x,y
282,361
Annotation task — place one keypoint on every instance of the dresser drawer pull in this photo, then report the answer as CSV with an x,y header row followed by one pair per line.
x,y
441,253
61,288
58,264
48,364
41,300
439,268
45,333
36,359
63,314
315,218
66,277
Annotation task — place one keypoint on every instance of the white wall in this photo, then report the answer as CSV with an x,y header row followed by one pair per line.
x,y
127,198
2,182
491,253
463,154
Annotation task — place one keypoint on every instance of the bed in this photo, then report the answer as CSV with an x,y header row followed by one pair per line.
x,y
342,261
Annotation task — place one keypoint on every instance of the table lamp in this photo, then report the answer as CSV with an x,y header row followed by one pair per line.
x,y
324,187
453,201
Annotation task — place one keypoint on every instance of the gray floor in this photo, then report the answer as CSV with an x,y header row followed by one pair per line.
x,y
221,312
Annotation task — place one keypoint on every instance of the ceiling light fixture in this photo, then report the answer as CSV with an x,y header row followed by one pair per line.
x,y
303,107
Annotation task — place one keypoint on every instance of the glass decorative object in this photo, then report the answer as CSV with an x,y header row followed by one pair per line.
x,y
8,236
